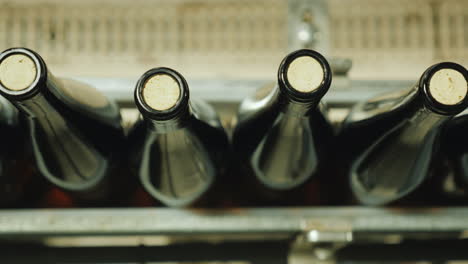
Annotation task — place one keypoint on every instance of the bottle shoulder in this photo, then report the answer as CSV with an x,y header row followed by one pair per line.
x,y
202,123
263,113
459,122
257,104
381,110
86,101
204,112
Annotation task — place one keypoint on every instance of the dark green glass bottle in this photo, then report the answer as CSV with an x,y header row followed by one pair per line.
x,y
282,137
394,139
75,132
179,146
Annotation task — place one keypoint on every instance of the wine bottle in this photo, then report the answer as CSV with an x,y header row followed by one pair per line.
x,y
395,138
179,146
74,130
282,134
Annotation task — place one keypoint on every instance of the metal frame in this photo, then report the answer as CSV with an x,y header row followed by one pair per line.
x,y
261,221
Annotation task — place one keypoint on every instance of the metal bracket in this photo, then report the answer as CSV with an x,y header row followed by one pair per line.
x,y
334,231
320,239
308,25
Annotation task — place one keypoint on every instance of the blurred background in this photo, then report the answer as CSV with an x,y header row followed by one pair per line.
x,y
236,39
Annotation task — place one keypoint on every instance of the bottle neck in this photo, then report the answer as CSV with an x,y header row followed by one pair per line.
x,y
291,107
176,122
423,121
39,105
418,116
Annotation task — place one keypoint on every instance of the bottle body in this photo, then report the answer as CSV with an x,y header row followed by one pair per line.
x,y
16,172
74,130
281,142
393,140
177,157
455,154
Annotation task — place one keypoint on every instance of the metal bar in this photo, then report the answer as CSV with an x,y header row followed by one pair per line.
x,y
265,222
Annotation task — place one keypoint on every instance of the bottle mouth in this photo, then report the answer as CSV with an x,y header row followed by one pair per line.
x,y
304,74
20,72
446,87
161,93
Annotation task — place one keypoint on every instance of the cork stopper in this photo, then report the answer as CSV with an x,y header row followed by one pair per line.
x,y
305,74
17,72
448,86
161,92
